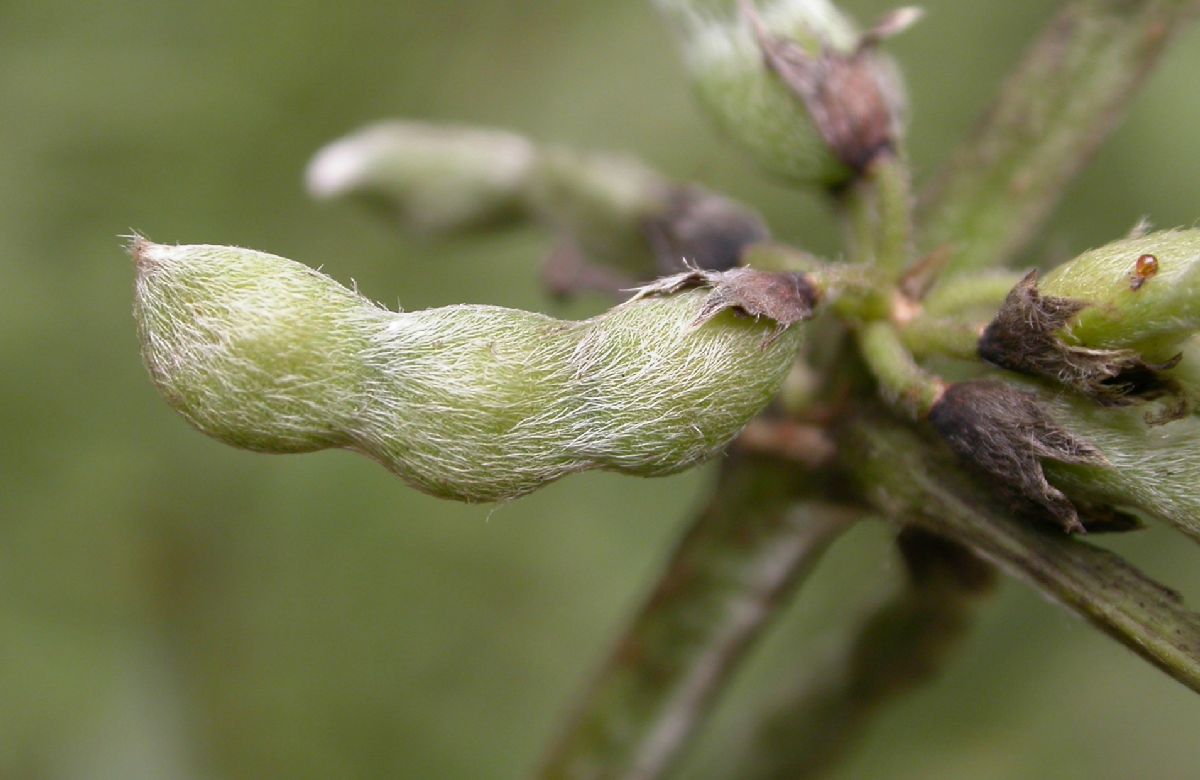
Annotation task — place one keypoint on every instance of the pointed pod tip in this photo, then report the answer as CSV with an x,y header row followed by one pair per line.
x,y
137,246
144,252
335,169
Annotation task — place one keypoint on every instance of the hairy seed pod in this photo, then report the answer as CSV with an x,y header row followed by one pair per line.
x,y
477,403
1142,293
434,178
1006,433
626,216
444,178
1027,336
792,81
603,202
1154,471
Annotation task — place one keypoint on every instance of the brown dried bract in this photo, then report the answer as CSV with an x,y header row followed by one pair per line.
x,y
1024,337
785,297
848,96
1004,433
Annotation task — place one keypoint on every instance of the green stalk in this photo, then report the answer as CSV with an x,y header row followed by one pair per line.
x,y
906,477
856,291
978,294
902,382
879,215
926,335
893,187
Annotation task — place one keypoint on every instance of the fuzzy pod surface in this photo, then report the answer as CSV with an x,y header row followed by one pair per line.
x,y
433,178
471,402
788,125
447,178
1141,292
1152,469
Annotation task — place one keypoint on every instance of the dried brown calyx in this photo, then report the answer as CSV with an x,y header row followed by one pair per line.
x,y
853,98
785,297
1024,337
704,229
1004,433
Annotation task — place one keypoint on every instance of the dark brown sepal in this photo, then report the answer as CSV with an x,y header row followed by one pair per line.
x,y
1004,433
849,96
1024,337
787,297
702,229
1105,519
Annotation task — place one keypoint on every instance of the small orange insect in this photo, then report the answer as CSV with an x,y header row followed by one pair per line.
x,y
1145,267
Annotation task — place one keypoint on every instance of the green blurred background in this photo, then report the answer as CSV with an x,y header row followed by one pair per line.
x,y
173,608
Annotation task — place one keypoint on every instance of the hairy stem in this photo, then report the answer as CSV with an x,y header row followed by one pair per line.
x,y
893,185
880,215
984,291
907,477
750,547
1050,117
952,337
902,382
856,291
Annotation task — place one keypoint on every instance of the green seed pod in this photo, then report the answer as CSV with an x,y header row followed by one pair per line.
x,y
794,83
1110,324
477,403
1142,293
433,178
1153,470
616,211
1187,373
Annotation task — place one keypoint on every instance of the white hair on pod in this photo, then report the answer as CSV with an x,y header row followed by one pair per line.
x,y
477,403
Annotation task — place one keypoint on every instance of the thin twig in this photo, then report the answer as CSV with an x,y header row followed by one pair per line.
x,y
744,554
878,209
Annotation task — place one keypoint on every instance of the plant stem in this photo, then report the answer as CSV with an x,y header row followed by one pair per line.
x,y
926,335
978,293
856,291
901,645
893,186
745,553
906,477
879,214
902,382
1050,117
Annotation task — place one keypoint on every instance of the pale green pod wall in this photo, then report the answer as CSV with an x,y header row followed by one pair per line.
x,y
751,104
446,178
1124,310
602,201
477,403
434,178
249,348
